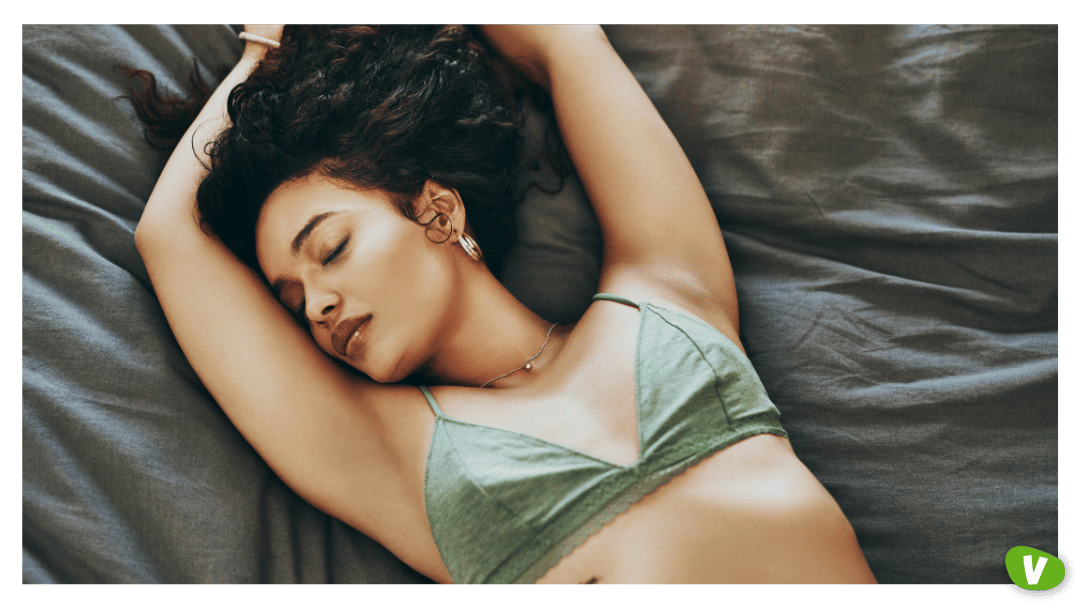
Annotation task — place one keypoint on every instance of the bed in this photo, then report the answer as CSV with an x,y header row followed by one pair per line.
x,y
888,196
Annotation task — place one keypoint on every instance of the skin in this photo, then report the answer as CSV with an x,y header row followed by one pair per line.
x,y
363,258
417,282
356,447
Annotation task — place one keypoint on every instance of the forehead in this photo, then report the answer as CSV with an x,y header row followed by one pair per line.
x,y
292,206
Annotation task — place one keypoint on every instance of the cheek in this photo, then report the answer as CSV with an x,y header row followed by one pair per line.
x,y
413,261
395,259
404,276
419,291
425,280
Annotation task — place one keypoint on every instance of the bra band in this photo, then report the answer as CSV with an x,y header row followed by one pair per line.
x,y
431,401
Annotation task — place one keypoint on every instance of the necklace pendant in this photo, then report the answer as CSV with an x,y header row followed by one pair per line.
x,y
528,364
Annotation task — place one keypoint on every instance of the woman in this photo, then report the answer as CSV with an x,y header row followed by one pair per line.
x,y
636,445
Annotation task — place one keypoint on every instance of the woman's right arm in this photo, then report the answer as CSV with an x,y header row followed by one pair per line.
x,y
319,428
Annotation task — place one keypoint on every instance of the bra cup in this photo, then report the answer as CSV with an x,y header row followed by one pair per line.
x,y
670,387
673,400
543,480
464,520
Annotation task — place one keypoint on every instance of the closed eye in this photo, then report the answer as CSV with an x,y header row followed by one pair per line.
x,y
336,253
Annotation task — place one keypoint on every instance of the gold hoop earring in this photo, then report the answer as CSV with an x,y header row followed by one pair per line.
x,y
471,247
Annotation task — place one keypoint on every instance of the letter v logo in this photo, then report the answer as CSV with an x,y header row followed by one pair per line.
x,y
1033,574
1033,569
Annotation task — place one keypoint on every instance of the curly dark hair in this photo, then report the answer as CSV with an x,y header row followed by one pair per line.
x,y
383,107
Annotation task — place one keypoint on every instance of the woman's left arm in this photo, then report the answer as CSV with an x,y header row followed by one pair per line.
x,y
659,229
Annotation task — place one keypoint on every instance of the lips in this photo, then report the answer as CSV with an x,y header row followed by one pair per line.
x,y
344,331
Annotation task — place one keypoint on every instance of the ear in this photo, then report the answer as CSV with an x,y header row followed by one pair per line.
x,y
437,199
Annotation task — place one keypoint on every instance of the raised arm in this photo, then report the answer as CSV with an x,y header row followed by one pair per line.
x,y
659,229
318,427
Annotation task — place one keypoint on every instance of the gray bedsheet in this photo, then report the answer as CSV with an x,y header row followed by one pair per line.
x,y
889,200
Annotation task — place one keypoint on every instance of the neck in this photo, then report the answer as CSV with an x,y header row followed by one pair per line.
x,y
494,334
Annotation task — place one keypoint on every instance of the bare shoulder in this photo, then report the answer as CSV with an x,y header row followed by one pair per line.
x,y
374,478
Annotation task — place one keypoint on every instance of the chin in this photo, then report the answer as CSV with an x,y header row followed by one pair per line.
x,y
385,374
384,378
394,366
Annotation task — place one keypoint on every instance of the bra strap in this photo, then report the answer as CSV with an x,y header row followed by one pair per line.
x,y
431,401
615,298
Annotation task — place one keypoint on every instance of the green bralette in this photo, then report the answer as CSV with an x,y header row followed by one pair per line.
x,y
505,507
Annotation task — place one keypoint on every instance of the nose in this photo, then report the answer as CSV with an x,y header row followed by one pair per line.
x,y
321,305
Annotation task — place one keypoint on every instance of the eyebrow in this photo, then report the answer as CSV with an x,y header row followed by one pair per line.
x,y
305,232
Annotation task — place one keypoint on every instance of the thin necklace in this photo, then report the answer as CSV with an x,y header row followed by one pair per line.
x,y
528,364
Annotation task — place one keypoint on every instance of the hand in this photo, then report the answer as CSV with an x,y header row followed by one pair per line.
x,y
254,50
532,48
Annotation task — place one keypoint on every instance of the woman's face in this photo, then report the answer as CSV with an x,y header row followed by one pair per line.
x,y
368,282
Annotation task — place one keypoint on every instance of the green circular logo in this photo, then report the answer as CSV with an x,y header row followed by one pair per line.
x,y
1033,569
